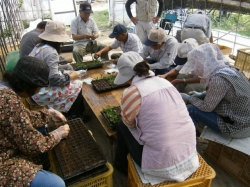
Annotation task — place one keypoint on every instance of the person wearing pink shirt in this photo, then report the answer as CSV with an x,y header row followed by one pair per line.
x,y
156,128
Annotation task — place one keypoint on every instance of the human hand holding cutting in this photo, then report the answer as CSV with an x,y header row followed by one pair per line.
x,y
61,132
56,115
97,55
176,81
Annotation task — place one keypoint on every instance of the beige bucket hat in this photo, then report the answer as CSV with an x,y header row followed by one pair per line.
x,y
55,31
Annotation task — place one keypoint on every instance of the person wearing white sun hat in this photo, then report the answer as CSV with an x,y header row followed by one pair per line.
x,y
147,132
48,50
184,82
64,92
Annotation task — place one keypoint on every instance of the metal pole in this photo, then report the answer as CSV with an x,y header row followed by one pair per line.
x,y
236,30
51,13
74,4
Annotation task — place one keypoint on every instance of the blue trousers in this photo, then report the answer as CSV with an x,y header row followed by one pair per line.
x,y
207,118
47,179
126,143
160,71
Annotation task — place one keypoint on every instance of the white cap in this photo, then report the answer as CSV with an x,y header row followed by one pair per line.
x,y
125,66
155,36
184,48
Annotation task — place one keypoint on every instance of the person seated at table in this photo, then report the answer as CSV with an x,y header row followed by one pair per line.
x,y
84,33
21,143
224,107
48,50
64,93
29,41
184,82
126,41
160,51
148,135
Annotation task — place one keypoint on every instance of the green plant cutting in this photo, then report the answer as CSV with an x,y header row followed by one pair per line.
x,y
87,65
113,114
109,78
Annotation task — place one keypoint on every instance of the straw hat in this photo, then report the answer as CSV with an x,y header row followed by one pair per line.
x,y
55,31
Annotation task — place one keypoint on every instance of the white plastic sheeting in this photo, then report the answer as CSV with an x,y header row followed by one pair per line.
x,y
34,9
117,12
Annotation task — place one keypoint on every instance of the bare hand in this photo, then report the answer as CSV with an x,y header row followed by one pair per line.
x,y
74,75
69,60
134,20
93,37
97,55
162,76
177,81
155,19
88,36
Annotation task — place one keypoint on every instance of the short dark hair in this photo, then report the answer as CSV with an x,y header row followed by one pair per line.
x,y
142,68
41,25
55,45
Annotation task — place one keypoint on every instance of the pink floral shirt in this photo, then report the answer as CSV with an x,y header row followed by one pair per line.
x,y
60,98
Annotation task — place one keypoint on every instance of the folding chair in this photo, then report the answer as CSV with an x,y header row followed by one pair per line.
x,y
168,21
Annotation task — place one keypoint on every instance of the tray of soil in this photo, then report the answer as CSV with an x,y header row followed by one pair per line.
x,y
78,154
106,84
87,65
112,115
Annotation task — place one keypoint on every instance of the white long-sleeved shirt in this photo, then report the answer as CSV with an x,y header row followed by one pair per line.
x,y
132,44
164,56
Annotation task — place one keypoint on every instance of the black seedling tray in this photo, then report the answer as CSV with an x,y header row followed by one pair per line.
x,y
112,115
106,84
78,153
86,65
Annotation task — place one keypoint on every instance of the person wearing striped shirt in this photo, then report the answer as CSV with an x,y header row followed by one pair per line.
x,y
153,116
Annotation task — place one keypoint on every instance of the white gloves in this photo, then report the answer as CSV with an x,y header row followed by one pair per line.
x,y
200,95
76,74
185,97
61,132
56,115
81,73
